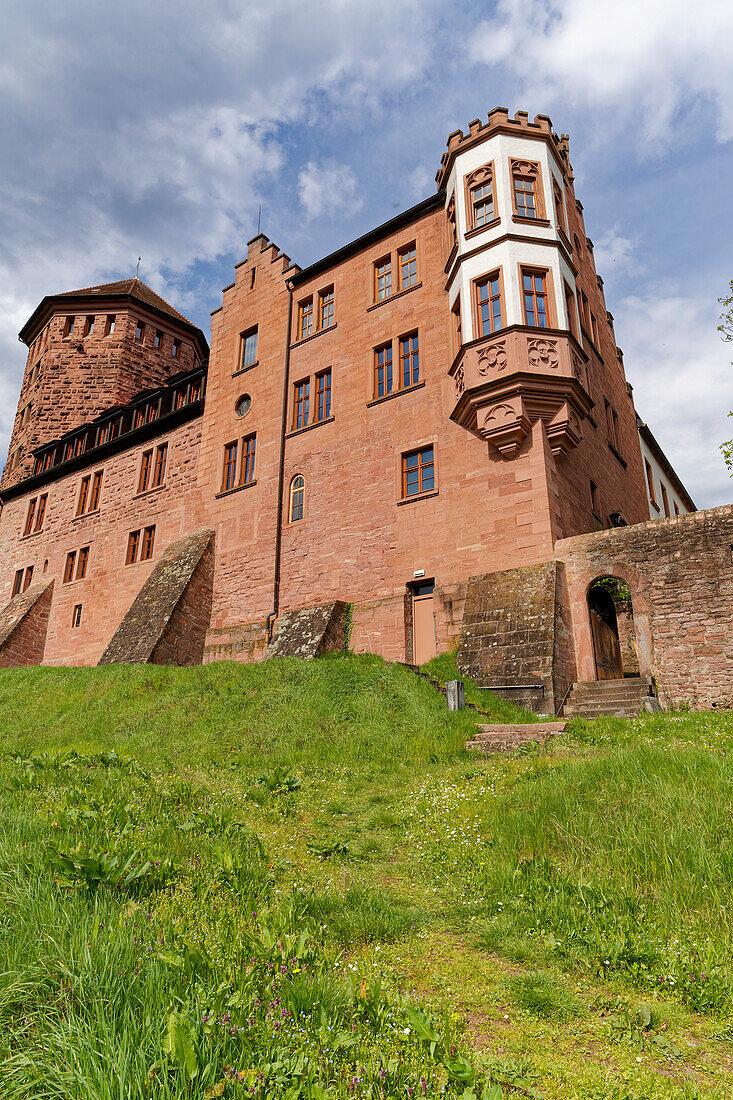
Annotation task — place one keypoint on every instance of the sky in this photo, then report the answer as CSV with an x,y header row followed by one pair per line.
x,y
158,129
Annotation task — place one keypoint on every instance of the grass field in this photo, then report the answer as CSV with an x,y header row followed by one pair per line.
x,y
289,880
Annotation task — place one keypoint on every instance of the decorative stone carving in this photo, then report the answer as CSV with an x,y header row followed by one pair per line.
x,y
577,366
493,358
524,168
460,380
542,354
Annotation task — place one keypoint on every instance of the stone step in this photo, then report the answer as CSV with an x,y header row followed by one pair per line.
x,y
635,686
505,738
620,698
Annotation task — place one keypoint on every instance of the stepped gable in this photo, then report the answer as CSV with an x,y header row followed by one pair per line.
x,y
23,626
310,632
168,620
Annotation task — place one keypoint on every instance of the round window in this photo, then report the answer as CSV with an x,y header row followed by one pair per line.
x,y
244,404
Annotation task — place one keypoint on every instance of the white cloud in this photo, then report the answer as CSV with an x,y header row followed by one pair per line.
x,y
681,373
331,189
614,253
645,61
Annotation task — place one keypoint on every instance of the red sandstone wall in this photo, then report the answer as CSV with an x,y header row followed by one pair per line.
x,y
680,574
110,586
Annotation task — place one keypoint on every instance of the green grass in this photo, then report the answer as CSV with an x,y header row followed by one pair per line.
x,y
445,667
189,857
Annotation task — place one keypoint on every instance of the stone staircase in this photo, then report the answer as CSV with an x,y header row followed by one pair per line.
x,y
504,738
622,698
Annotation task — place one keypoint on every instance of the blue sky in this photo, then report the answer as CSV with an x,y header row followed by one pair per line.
x,y
156,130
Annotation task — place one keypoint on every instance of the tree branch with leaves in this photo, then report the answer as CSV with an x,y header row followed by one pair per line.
x,y
726,328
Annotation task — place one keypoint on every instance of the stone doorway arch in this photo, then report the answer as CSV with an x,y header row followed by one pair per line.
x,y
612,629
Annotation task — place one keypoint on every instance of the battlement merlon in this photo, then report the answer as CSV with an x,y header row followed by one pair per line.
x,y
499,122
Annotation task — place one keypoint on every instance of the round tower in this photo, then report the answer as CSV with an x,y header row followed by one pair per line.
x,y
90,350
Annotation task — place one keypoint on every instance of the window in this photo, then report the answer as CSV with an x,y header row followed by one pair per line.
x,y
81,565
176,349
79,444
110,325
139,417
18,582
76,617
665,499
161,457
230,466
451,214
158,339
527,189
570,308
248,459
152,411
594,329
676,508
35,515
383,279
145,464
325,310
243,405
480,198
41,512
28,577
194,392
535,298
302,402
30,517
297,498
457,327
595,505
323,395
89,326
96,491
69,567
133,546
559,206
407,267
383,370
139,330
305,318
249,348
409,361
584,311
418,472
650,484
179,399
612,426
69,326
488,295
148,543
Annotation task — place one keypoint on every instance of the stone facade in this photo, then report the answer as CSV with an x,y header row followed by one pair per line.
x,y
525,413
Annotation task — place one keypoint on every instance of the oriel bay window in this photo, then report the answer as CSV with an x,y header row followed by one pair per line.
x,y
418,472
480,198
527,194
489,305
534,295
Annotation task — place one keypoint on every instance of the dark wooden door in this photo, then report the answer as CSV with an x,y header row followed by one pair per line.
x,y
606,647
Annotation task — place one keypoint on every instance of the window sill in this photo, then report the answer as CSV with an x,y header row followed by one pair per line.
x,y
451,258
395,393
149,492
564,238
71,584
140,561
418,496
243,370
391,297
521,220
310,427
313,335
481,228
654,505
236,489
31,535
86,515
618,456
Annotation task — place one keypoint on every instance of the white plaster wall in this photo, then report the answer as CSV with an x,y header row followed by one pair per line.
x,y
508,254
660,478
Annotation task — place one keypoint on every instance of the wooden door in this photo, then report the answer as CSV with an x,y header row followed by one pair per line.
x,y
606,647
423,624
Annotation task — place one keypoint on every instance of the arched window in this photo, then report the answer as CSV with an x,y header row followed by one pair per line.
x,y
297,498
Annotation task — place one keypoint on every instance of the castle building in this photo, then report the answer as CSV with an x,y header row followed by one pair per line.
x,y
440,399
